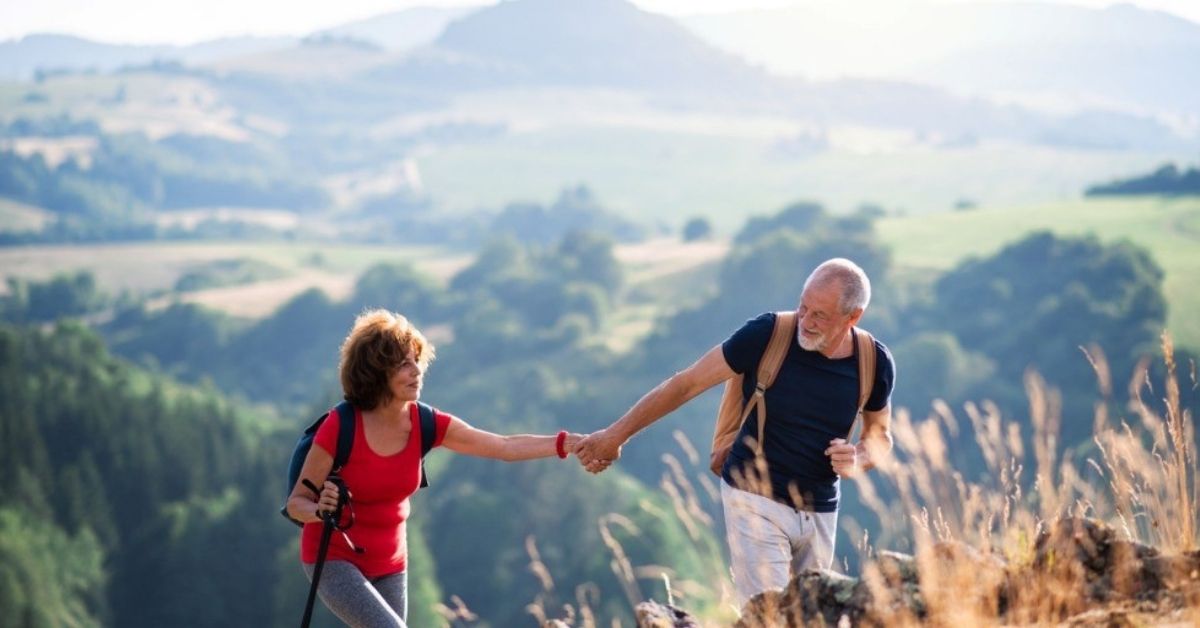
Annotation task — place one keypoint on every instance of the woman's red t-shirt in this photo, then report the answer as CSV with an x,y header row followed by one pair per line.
x,y
380,487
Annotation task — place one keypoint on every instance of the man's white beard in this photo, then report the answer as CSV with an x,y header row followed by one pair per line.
x,y
809,345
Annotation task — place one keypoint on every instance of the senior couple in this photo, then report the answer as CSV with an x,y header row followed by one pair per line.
x,y
779,484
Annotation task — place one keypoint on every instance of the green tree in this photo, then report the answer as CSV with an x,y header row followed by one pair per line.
x,y
48,577
164,484
1038,302
401,288
946,371
63,295
697,229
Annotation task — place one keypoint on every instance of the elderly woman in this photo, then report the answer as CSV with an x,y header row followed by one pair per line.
x,y
383,361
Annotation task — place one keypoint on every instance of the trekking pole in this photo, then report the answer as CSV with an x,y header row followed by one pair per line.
x,y
330,519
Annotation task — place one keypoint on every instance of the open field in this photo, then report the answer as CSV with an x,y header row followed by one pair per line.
x,y
669,177
664,271
151,269
1168,228
151,103
661,276
16,216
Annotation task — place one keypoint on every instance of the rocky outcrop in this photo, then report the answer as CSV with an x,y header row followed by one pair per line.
x,y
1081,573
654,615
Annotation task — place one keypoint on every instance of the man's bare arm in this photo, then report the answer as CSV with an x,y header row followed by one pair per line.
x,y
605,445
876,439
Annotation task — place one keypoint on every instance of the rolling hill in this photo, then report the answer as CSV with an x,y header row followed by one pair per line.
x,y
400,30
21,59
609,43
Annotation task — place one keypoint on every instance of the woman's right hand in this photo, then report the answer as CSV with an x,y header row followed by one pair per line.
x,y
329,499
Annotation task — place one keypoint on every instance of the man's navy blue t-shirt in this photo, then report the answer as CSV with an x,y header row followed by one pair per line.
x,y
813,400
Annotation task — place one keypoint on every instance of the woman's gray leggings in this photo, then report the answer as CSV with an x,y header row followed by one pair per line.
x,y
359,602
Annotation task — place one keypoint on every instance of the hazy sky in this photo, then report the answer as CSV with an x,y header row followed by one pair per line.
x,y
170,21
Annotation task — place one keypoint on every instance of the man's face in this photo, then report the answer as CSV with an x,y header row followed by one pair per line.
x,y
821,318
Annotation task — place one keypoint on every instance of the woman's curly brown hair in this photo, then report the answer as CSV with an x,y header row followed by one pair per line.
x,y
375,347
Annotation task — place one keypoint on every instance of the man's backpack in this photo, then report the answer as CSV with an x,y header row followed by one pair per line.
x,y
732,413
345,414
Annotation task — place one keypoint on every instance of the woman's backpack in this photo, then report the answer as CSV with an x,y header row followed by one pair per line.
x,y
345,414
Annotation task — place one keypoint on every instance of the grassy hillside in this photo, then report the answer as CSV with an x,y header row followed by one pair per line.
x,y
647,159
1168,228
730,169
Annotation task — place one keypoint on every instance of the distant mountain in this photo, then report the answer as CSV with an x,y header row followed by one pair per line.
x,y
21,59
606,43
1121,56
401,30
342,73
614,44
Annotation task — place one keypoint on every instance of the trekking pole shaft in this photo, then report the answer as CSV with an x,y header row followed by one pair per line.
x,y
326,534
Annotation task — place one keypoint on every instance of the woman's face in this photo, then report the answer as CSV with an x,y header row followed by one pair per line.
x,y
405,381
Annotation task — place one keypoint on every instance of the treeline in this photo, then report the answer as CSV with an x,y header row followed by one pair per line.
x,y
1167,180
410,218
123,489
61,125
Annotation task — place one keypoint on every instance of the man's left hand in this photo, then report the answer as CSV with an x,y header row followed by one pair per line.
x,y
844,457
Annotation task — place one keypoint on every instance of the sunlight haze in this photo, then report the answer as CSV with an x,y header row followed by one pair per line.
x,y
146,22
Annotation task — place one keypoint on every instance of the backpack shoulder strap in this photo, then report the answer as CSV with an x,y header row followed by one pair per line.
x,y
768,367
866,365
777,348
735,408
428,427
428,436
345,412
865,347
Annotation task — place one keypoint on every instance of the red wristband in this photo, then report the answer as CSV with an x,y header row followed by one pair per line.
x,y
558,444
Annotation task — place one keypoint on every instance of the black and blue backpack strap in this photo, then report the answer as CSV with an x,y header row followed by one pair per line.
x,y
345,413
428,436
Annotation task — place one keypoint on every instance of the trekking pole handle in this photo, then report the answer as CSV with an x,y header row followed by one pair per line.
x,y
334,517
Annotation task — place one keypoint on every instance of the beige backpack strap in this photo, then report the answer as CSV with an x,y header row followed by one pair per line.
x,y
768,367
732,414
866,369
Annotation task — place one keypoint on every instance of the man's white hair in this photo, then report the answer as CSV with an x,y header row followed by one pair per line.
x,y
856,287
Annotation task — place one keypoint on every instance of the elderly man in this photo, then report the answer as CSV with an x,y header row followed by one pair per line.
x,y
781,510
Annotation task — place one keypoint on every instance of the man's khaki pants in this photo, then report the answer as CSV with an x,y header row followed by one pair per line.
x,y
769,541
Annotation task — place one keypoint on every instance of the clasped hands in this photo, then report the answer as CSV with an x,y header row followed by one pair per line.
x,y
598,450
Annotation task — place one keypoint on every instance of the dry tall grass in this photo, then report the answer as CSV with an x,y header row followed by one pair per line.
x,y
1140,478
